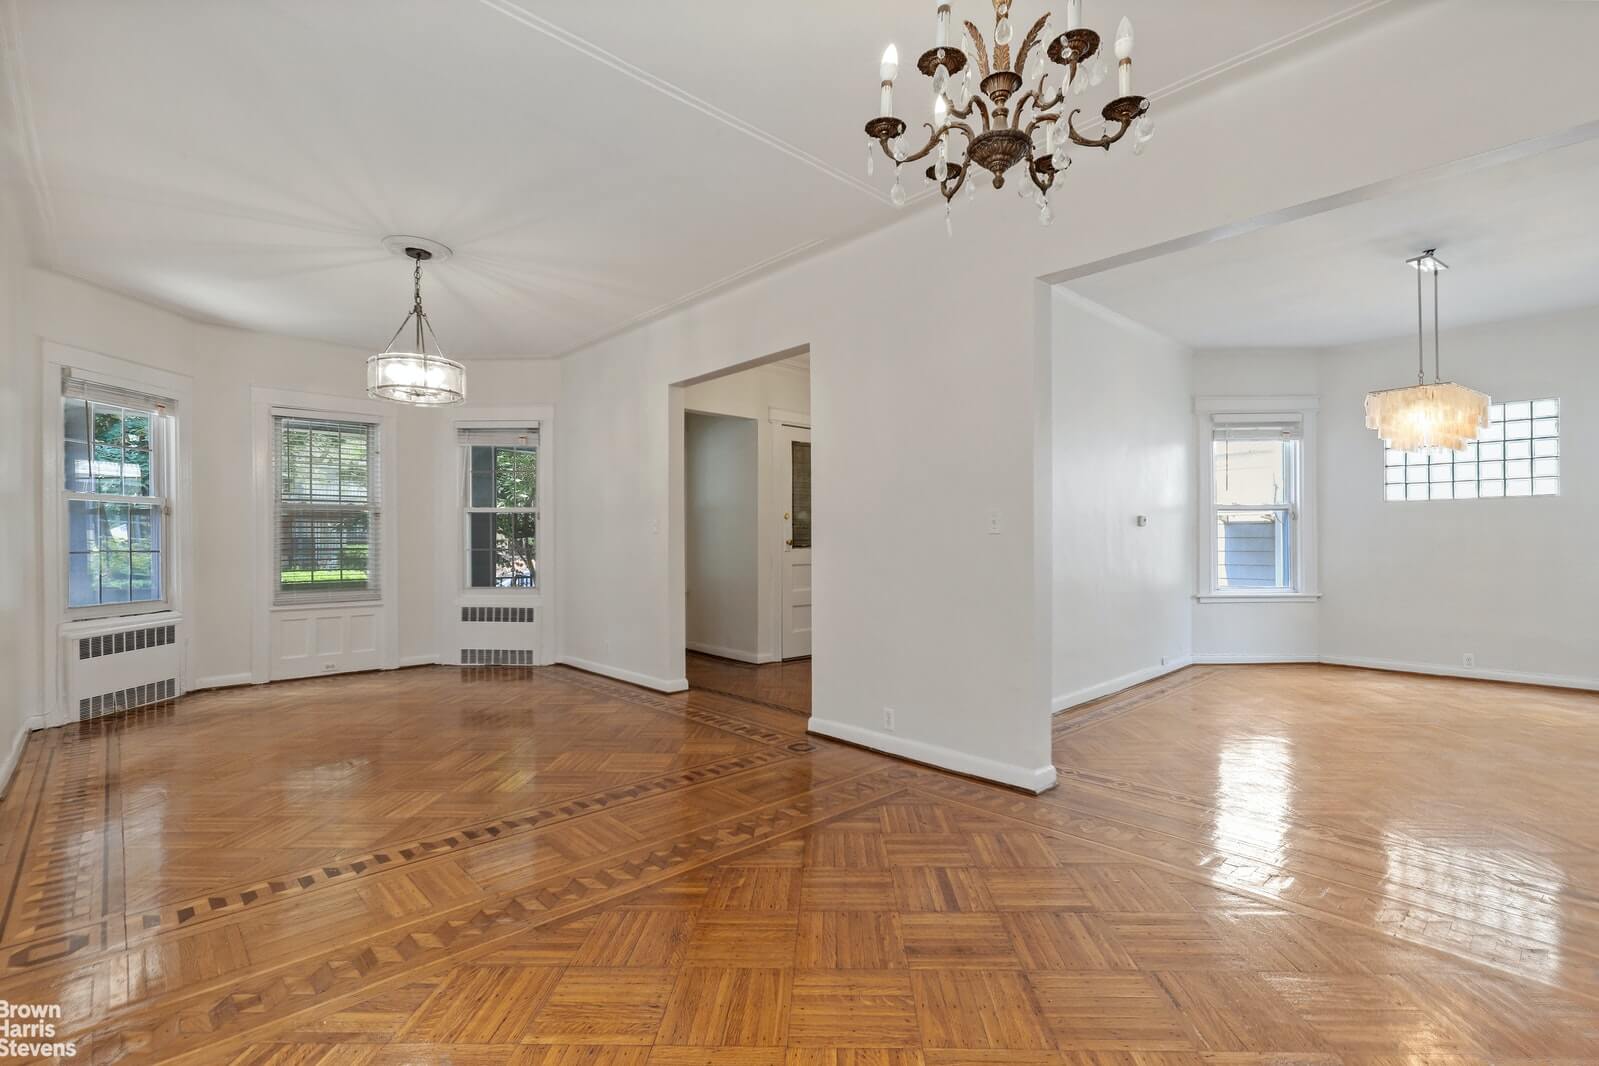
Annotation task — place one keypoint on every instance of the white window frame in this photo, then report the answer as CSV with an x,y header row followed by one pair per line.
x,y
60,621
1302,501
374,508
451,591
264,403
467,511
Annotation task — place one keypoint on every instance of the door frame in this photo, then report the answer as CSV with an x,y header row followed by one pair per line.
x,y
777,420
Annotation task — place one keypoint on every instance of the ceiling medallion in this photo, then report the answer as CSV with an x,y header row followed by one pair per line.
x,y
1442,416
412,374
1018,125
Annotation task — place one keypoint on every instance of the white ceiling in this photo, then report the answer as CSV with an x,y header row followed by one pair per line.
x,y
591,164
1519,239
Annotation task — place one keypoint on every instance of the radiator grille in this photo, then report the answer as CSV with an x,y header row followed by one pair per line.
x,y
497,657
126,640
126,699
496,614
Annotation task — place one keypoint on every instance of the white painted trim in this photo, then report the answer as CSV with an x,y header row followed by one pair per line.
x,y
1117,684
1215,659
179,525
449,528
736,654
1259,597
14,756
1041,779
222,681
659,684
1516,677
263,401
425,659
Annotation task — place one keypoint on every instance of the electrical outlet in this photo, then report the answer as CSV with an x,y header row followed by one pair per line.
x,y
993,523
888,719
1468,660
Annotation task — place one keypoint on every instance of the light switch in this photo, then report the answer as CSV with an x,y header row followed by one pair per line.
x,y
1143,520
993,523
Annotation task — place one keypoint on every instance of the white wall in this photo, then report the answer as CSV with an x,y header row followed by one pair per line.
x,y
753,394
1256,632
722,564
1511,581
918,342
224,365
20,654
1124,447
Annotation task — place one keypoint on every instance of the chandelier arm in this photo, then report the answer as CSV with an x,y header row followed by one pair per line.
x,y
936,136
403,323
1028,42
1034,173
436,345
1041,120
975,103
1060,94
948,190
1099,142
981,49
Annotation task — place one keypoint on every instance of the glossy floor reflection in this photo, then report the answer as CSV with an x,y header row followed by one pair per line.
x,y
785,686
1242,867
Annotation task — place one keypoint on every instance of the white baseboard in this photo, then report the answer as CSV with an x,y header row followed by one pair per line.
x,y
735,654
1035,781
659,684
222,681
13,755
1513,676
1116,684
1219,659
429,659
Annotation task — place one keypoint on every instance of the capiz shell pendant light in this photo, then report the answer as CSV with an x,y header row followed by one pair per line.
x,y
416,376
1444,415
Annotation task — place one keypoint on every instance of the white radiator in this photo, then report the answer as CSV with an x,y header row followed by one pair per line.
x,y
119,666
498,636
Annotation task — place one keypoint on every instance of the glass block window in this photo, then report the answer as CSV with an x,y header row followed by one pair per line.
x,y
1517,455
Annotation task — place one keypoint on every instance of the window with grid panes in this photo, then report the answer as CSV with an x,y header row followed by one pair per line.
x,y
114,471
328,509
502,501
1517,455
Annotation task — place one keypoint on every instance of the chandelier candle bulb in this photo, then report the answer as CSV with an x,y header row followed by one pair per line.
x,y
1124,55
1074,14
942,39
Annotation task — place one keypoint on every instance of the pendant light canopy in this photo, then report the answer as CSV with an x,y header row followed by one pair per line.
x,y
412,374
1443,415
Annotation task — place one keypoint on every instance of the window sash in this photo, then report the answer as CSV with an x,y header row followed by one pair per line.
x,y
156,557
522,440
1286,550
315,518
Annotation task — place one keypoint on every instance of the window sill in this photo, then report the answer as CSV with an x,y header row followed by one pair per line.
x,y
110,623
1259,597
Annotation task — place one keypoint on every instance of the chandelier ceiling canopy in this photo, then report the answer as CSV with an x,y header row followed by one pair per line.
x,y
412,374
1014,115
1442,415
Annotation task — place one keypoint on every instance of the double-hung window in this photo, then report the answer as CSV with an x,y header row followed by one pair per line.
x,y
328,509
115,447
501,478
1256,467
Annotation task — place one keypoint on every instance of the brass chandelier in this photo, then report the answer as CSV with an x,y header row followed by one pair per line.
x,y
1014,115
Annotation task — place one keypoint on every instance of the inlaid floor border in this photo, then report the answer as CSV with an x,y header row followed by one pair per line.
x,y
223,1015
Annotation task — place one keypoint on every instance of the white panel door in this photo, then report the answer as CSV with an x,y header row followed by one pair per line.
x,y
794,496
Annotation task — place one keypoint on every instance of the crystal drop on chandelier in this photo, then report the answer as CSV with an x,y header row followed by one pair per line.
x,y
871,160
1002,31
897,193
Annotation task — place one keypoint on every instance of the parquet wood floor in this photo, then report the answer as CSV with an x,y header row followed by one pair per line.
x,y
1253,866
784,686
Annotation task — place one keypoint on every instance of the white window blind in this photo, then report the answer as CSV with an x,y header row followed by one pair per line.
x,y
1235,428
516,437
77,388
328,513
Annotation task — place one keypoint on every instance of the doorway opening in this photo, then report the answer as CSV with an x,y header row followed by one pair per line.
x,y
747,534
